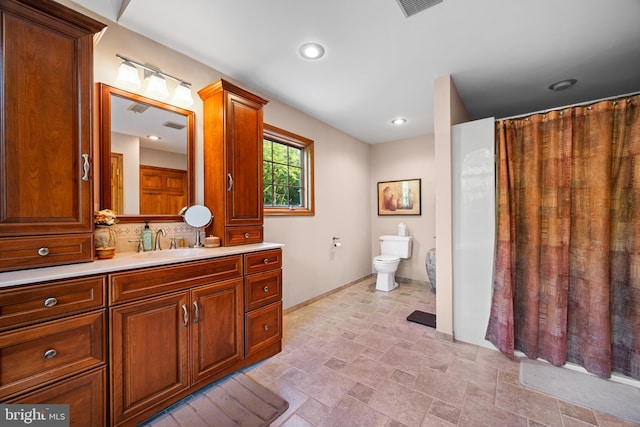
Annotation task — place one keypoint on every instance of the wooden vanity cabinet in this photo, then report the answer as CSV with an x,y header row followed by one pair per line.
x,y
164,347
53,346
233,125
263,302
46,206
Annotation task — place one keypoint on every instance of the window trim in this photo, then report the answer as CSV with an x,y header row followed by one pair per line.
x,y
282,136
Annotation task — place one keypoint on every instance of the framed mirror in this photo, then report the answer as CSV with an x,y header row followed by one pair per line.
x,y
147,164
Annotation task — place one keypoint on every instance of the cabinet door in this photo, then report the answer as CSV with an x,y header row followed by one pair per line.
x,y
217,329
46,125
85,394
244,161
149,361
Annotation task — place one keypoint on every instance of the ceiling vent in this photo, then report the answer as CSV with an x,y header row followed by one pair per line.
x,y
411,7
138,107
174,125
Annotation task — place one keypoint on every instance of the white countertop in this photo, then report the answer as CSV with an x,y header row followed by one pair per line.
x,y
126,261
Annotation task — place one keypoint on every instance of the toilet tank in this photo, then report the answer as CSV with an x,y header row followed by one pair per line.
x,y
396,245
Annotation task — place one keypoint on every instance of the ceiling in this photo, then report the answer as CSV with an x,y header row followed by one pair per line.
x,y
379,64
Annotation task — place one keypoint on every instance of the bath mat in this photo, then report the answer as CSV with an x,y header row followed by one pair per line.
x,y
423,318
603,395
234,401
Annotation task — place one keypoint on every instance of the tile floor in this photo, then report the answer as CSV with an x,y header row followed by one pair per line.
x,y
352,359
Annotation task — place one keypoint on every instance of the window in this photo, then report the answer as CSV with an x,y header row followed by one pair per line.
x,y
288,173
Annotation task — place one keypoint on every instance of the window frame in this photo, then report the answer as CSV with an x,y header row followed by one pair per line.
x,y
281,136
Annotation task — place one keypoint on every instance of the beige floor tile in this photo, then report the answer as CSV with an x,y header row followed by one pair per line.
x,y
445,411
313,411
477,413
367,371
530,404
441,386
326,385
401,403
351,412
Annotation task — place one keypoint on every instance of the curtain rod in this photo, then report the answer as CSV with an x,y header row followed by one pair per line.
x,y
569,106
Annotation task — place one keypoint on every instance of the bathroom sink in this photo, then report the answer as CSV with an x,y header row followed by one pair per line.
x,y
171,253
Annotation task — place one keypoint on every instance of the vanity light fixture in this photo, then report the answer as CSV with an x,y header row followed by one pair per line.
x,y
399,121
156,86
311,51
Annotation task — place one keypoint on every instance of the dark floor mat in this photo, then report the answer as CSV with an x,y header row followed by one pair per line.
x,y
423,318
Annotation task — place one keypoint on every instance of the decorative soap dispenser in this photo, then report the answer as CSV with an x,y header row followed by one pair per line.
x,y
147,237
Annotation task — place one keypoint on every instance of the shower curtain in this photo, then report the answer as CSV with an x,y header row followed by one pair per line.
x,y
567,267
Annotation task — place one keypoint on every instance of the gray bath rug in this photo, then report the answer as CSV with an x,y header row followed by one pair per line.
x,y
602,395
234,401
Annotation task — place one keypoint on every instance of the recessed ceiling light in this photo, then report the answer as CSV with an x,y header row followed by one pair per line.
x,y
311,51
399,121
563,84
154,137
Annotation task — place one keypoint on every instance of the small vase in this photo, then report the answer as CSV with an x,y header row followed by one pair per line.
x,y
105,241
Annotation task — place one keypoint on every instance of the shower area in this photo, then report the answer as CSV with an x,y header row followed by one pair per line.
x,y
566,287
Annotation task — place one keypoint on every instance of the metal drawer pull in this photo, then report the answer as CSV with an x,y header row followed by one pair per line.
x,y
44,251
50,302
266,327
195,304
85,166
185,316
246,235
266,289
50,354
266,261
230,180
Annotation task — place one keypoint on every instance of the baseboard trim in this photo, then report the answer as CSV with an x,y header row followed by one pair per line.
x,y
326,294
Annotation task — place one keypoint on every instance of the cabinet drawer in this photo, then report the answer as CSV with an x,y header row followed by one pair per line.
x,y
262,289
143,283
46,301
263,327
257,262
37,355
19,253
243,235
84,393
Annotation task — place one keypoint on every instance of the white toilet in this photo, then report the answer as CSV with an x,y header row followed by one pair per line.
x,y
392,249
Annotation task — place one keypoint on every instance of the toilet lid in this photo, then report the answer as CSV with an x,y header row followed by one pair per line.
x,y
387,258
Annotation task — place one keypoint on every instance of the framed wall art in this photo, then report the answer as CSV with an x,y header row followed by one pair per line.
x,y
399,197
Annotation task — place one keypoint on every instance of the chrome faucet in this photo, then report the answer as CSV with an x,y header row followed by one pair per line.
x,y
157,247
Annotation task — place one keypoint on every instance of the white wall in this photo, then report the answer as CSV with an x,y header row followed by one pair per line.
x,y
163,159
406,159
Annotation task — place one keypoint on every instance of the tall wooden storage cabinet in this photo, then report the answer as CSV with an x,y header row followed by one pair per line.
x,y
45,140
233,126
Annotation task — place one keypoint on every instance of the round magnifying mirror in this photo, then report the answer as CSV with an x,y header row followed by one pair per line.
x,y
198,216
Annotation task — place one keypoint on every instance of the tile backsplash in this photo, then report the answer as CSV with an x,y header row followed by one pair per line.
x,y
128,234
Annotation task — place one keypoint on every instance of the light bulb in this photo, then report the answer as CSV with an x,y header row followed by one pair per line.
x,y
311,51
128,76
182,96
157,86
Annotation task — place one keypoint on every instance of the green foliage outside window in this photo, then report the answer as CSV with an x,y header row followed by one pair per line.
x,y
283,175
